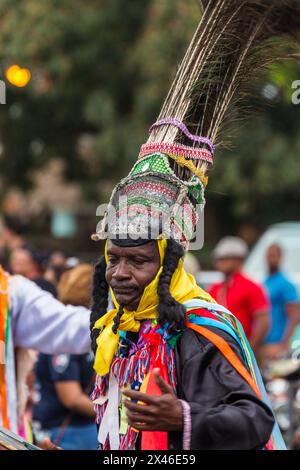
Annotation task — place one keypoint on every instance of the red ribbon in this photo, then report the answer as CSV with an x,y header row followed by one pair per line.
x,y
155,440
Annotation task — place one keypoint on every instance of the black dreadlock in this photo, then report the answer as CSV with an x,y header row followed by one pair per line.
x,y
100,299
169,310
117,319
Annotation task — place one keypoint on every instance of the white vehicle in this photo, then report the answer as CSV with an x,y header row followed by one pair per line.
x,y
287,236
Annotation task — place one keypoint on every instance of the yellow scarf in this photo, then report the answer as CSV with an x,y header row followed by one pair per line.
x,y
183,287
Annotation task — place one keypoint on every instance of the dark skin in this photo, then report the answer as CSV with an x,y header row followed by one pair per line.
x,y
129,271
275,350
274,258
154,413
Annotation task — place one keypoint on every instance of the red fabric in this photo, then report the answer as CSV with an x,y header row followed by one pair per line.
x,y
155,440
202,312
243,297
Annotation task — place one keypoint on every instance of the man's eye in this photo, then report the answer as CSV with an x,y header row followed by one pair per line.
x,y
139,260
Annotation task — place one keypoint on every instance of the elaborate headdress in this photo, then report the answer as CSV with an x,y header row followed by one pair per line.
x,y
162,195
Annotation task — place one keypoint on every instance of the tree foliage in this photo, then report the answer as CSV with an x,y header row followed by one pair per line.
x,y
100,71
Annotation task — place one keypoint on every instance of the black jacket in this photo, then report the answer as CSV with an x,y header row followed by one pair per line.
x,y
225,412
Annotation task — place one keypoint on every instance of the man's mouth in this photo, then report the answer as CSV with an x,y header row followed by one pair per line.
x,y
124,290
127,296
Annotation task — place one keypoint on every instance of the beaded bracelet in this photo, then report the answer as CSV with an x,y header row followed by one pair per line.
x,y
187,425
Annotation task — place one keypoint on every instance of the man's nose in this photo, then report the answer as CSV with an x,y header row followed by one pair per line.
x,y
122,271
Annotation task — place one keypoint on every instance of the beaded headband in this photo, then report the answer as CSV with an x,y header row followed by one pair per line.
x,y
180,125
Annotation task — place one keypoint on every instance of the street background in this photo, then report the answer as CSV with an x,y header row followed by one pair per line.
x,y
99,73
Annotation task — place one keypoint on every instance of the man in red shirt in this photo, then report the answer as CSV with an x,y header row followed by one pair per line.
x,y
245,298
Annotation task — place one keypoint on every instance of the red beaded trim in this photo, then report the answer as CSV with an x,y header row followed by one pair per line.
x,y
177,149
150,186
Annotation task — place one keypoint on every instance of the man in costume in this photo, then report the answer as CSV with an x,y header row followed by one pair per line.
x,y
174,369
205,403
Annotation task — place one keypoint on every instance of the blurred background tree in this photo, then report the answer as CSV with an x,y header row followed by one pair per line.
x,y
255,183
100,71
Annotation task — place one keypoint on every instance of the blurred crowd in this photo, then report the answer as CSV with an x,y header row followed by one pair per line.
x,y
269,312
57,386
58,403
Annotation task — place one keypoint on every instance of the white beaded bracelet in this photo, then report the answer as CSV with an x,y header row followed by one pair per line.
x,y
187,425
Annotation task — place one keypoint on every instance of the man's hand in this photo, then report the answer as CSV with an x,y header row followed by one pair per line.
x,y
158,413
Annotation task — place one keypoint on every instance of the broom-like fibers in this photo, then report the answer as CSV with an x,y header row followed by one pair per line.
x,y
235,41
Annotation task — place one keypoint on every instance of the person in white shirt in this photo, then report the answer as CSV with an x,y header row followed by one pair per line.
x,y
34,320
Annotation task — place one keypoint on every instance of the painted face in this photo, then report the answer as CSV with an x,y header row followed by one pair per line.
x,y
130,269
